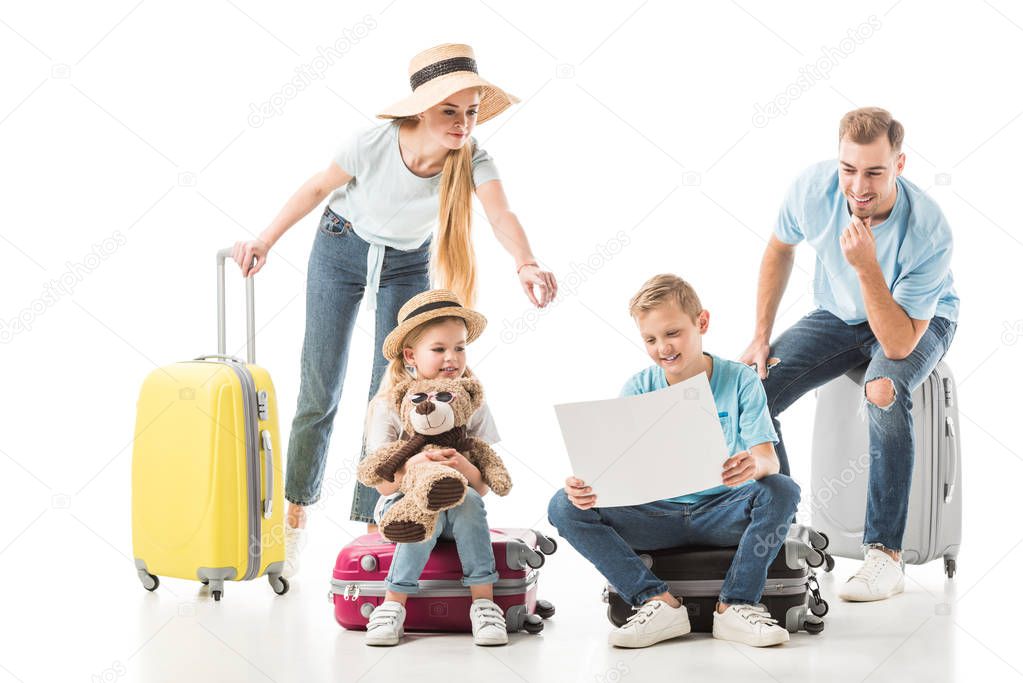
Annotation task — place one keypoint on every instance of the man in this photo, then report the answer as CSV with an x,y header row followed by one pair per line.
x,y
884,297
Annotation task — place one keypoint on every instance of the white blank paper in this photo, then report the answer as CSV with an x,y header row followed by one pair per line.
x,y
640,449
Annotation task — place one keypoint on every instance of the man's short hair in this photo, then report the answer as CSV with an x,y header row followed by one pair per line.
x,y
867,124
666,288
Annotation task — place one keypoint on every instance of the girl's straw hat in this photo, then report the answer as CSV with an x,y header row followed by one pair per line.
x,y
435,303
442,71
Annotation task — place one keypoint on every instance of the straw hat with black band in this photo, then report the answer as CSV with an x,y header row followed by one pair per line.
x,y
441,71
427,306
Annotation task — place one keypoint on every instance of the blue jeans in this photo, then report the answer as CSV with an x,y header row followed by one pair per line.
x,y
755,517
821,347
335,282
467,526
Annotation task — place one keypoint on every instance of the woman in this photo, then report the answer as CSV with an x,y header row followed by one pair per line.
x,y
397,180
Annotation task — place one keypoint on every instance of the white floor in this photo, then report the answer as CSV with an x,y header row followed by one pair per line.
x,y
79,621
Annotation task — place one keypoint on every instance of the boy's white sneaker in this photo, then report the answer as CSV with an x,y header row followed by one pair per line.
x,y
488,625
386,624
651,623
750,625
879,577
294,542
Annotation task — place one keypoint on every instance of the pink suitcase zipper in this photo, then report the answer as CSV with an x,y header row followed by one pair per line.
x,y
443,602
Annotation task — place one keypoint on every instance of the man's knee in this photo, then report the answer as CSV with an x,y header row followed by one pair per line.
x,y
880,392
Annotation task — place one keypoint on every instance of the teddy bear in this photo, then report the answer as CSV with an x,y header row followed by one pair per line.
x,y
434,414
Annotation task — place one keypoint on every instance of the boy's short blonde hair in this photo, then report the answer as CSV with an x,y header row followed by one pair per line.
x,y
666,289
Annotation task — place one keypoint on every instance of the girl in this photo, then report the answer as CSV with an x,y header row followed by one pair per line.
x,y
429,343
374,238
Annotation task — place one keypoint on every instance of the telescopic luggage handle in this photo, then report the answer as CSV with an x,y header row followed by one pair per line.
x,y
250,311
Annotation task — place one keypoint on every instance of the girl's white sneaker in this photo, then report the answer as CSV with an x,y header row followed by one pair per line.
x,y
386,624
488,625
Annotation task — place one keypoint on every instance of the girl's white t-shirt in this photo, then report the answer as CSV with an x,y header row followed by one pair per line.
x,y
385,426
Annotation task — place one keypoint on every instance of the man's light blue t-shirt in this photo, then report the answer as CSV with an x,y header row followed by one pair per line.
x,y
914,247
741,403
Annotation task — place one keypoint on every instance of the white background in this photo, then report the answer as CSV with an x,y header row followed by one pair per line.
x,y
130,122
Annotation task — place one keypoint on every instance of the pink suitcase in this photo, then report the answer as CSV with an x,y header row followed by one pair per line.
x,y
443,602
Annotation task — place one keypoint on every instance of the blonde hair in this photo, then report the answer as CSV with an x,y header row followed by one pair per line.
x,y
397,371
666,288
867,124
454,260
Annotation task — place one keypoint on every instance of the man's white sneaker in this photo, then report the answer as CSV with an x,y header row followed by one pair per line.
x,y
294,542
488,626
750,625
879,577
651,623
386,624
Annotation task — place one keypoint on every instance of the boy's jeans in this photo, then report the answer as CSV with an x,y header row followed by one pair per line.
x,y
821,347
467,526
755,517
335,283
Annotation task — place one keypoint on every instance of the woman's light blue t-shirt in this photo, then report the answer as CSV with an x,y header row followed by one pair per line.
x,y
914,247
741,403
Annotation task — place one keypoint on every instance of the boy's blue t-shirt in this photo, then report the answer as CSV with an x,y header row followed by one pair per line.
x,y
741,403
914,247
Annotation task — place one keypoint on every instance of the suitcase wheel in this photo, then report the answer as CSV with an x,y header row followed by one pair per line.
x,y
217,594
548,546
829,562
533,624
826,540
149,581
950,567
544,609
816,558
279,584
819,608
535,560
813,627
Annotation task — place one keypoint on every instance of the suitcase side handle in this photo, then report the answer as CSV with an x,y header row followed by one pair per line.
x,y
250,311
268,466
953,458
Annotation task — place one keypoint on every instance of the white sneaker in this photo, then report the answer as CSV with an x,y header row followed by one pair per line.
x,y
488,627
652,622
879,577
750,625
386,624
294,543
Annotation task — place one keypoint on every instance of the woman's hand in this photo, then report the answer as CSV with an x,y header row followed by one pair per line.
x,y
531,276
244,252
579,494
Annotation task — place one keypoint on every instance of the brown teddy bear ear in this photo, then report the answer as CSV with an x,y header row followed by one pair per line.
x,y
398,393
474,389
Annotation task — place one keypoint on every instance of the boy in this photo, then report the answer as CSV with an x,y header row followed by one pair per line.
x,y
752,507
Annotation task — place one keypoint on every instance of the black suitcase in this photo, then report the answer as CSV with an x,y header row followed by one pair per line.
x,y
695,574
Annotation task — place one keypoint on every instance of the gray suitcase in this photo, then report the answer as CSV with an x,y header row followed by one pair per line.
x,y
840,461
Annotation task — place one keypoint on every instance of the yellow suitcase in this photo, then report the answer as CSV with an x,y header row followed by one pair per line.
x,y
207,484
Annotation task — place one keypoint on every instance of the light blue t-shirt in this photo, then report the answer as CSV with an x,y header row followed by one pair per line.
x,y
914,247
741,403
